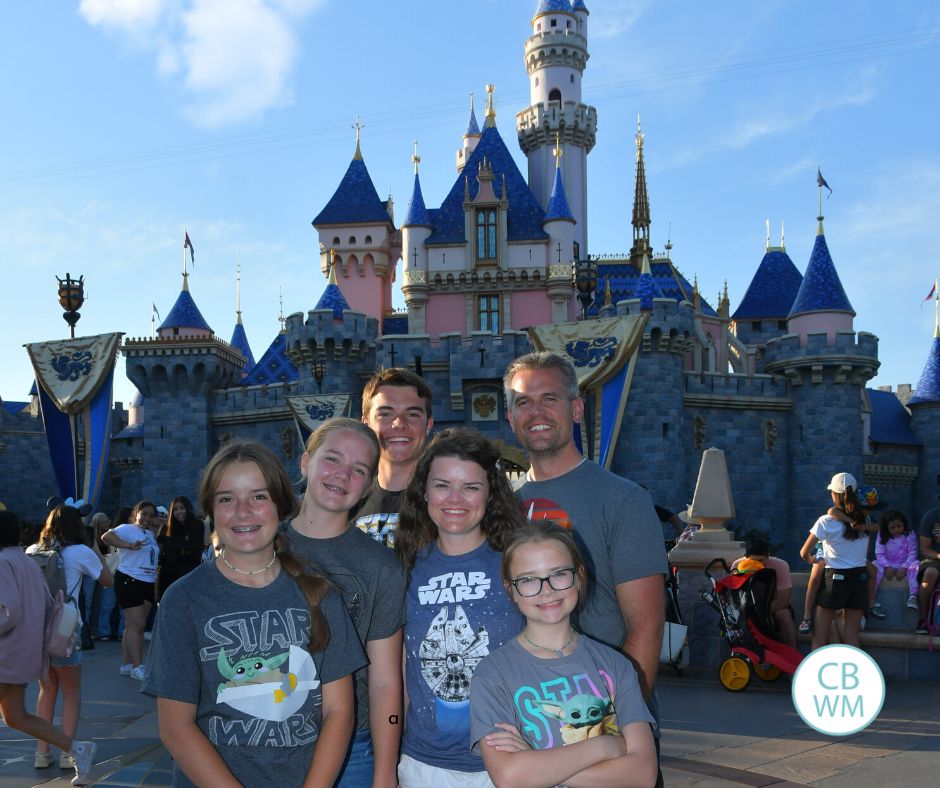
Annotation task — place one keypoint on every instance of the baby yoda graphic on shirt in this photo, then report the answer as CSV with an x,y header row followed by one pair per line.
x,y
583,717
264,687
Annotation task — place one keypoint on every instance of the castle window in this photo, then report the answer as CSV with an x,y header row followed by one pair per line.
x,y
554,23
488,313
486,234
352,239
568,24
555,95
572,79
755,325
368,239
335,240
782,325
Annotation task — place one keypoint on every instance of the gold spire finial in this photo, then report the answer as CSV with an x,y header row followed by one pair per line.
x,y
490,108
646,264
415,158
358,126
557,152
608,299
639,138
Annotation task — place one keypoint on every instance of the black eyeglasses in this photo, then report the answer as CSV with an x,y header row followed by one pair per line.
x,y
559,580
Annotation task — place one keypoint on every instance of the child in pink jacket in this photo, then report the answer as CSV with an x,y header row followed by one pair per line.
x,y
896,552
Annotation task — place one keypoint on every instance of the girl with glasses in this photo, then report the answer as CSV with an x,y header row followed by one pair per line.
x,y
553,706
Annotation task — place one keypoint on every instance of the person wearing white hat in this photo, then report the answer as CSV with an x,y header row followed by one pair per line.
x,y
845,550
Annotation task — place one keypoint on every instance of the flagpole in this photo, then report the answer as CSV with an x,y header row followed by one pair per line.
x,y
185,272
936,310
153,323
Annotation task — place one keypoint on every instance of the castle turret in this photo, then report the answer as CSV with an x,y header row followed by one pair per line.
x,y
560,226
176,371
821,304
763,311
826,365
357,235
414,233
470,139
556,55
925,421
239,339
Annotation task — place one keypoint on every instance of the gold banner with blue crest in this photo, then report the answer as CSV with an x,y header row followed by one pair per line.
x,y
603,353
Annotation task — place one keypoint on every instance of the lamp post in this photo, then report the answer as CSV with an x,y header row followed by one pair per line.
x,y
71,297
584,274
319,372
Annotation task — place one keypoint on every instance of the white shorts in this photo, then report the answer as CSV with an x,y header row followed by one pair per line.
x,y
416,774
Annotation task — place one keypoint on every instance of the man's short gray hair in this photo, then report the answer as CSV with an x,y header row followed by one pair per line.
x,y
543,359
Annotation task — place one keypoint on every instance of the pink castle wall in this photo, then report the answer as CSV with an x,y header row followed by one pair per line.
x,y
529,308
446,312
830,322
367,293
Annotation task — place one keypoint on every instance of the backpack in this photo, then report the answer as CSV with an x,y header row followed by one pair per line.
x,y
59,636
52,566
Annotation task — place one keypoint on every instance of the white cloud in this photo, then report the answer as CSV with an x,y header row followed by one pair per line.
x,y
233,58
613,19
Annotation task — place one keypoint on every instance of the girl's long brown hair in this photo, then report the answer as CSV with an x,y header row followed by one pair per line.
x,y
501,517
313,584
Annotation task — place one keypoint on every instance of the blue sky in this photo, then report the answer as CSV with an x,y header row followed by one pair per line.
x,y
126,121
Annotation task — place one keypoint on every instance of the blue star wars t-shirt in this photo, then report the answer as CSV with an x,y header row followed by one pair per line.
x,y
456,613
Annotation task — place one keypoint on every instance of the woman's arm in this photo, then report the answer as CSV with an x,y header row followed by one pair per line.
x,y
335,733
112,539
806,551
912,551
190,748
105,578
510,760
385,707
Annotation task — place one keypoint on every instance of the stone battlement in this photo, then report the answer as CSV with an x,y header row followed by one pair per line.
x,y
734,385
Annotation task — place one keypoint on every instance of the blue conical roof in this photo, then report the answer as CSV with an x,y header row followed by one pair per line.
x,y
333,298
773,289
417,213
33,391
558,203
185,314
274,366
928,387
646,290
821,289
525,213
578,5
240,343
547,6
472,127
355,199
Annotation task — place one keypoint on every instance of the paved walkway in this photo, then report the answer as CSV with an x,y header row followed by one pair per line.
x,y
712,738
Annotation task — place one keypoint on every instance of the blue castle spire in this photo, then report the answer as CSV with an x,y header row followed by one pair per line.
x,y
355,199
185,314
417,213
773,290
928,387
333,298
239,341
473,129
646,288
558,6
558,203
821,289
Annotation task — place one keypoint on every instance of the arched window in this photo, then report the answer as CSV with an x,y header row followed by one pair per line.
x,y
555,95
368,239
486,234
352,239
335,240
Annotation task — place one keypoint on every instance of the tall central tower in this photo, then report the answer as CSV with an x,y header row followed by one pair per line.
x,y
555,57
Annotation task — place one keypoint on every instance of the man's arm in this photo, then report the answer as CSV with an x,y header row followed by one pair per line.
x,y
642,608
926,548
385,706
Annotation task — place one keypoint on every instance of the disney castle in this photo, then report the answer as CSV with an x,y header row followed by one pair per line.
x,y
770,381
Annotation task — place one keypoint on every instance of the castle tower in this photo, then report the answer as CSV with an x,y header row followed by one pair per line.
x,y
925,421
762,313
176,372
826,365
414,233
821,305
357,235
646,288
239,339
560,226
641,207
555,56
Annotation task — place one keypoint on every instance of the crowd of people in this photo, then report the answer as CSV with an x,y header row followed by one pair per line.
x,y
412,618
